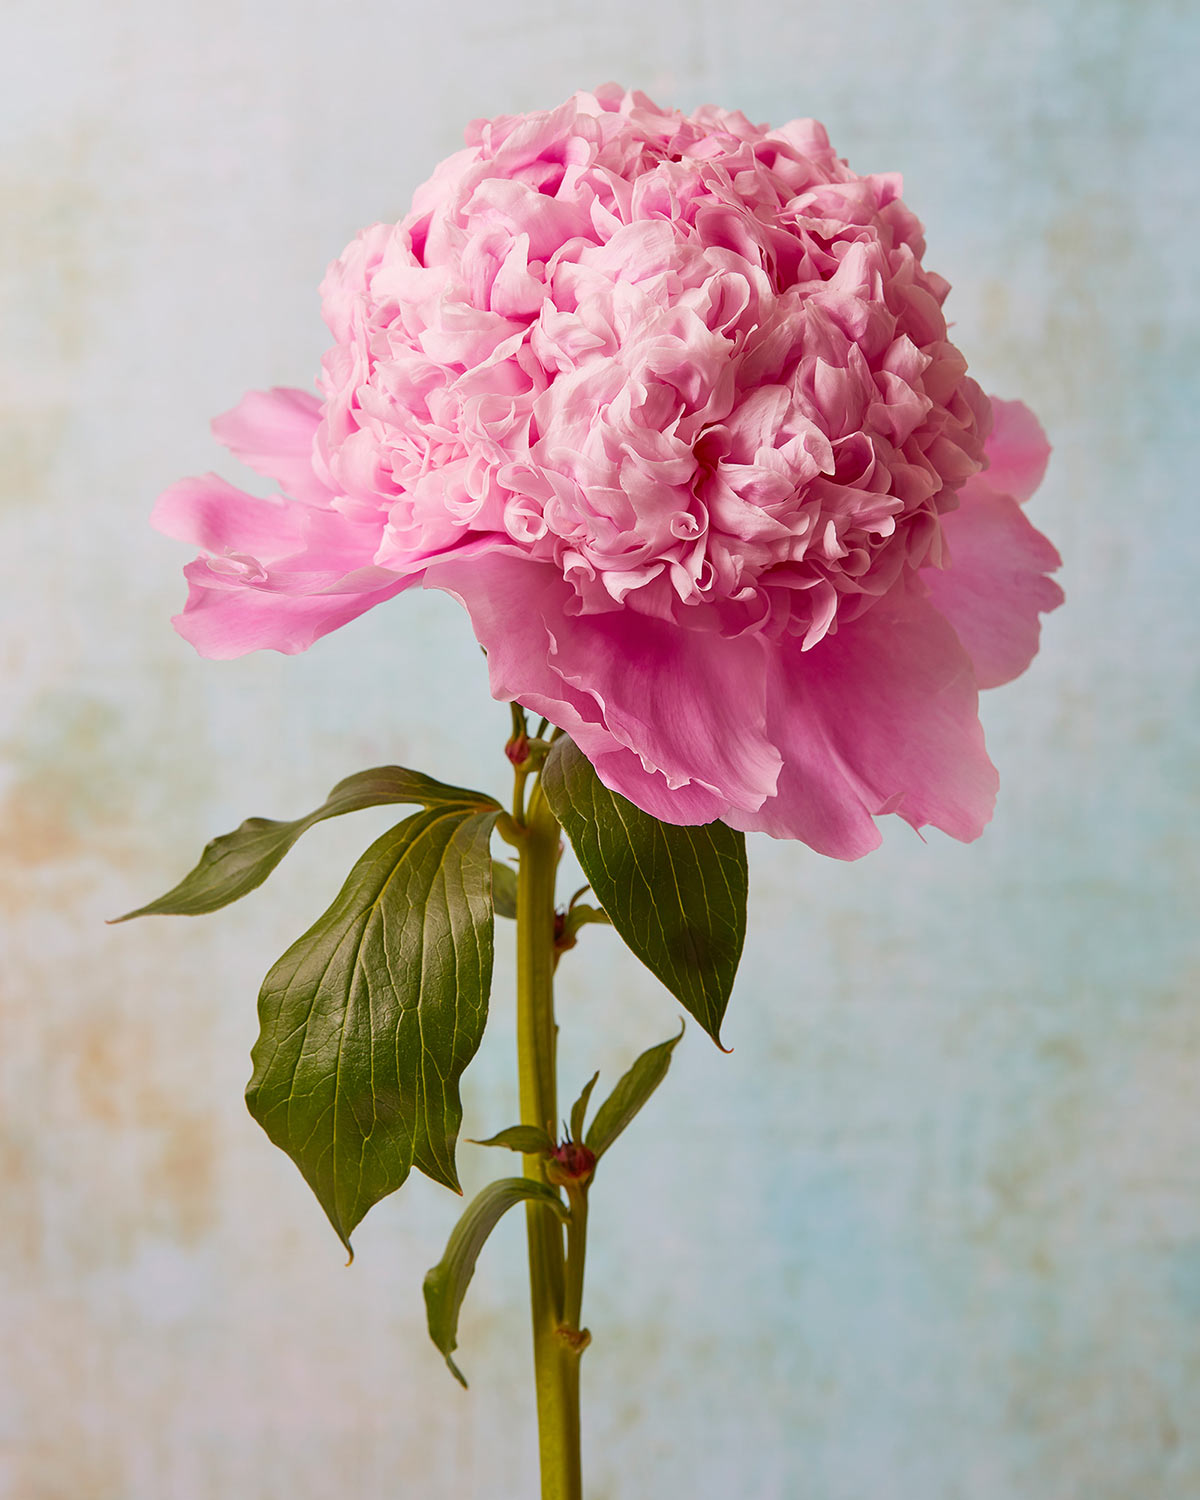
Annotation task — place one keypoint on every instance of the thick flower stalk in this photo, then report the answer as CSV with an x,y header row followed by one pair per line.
x,y
669,404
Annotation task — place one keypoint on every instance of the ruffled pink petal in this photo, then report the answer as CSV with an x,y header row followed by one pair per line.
x,y
224,617
995,584
1017,450
881,717
273,431
691,706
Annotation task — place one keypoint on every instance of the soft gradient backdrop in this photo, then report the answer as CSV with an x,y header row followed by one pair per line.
x,y
932,1231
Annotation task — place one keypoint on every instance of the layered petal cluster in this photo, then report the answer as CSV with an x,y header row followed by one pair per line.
x,y
669,404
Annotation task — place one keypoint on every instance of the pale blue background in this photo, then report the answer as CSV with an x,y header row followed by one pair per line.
x,y
932,1232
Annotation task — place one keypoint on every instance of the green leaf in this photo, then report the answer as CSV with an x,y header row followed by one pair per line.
x,y
582,916
504,890
236,863
529,1139
676,895
368,1021
631,1092
579,1108
446,1284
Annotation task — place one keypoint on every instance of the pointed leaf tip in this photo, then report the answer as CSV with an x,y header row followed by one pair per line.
x,y
528,1139
234,864
579,1108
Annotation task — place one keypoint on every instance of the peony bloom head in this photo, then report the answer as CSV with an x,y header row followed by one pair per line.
x,y
668,403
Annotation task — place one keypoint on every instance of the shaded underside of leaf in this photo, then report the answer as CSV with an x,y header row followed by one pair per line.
x,y
236,863
446,1284
677,895
368,1021
504,890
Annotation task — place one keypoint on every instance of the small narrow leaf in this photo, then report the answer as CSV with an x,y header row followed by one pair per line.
x,y
579,1108
446,1284
630,1094
368,1021
582,916
504,889
529,1139
236,863
676,895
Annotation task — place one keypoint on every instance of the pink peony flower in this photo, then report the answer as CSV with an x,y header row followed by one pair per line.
x,y
668,403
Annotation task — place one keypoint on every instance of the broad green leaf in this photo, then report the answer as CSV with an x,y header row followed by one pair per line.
x,y
631,1092
446,1284
532,1140
236,863
368,1021
676,895
504,889
579,1108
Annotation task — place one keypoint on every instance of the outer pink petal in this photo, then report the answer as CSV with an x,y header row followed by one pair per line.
x,y
224,617
691,708
510,626
210,513
881,717
818,800
273,431
623,772
995,585
1017,450
690,704
280,573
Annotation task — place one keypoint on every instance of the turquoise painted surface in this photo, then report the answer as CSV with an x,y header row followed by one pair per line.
x,y
933,1229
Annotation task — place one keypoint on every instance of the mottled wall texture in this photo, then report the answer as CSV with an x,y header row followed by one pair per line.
x,y
932,1231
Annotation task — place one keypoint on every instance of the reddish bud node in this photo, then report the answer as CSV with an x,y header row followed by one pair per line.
x,y
570,1163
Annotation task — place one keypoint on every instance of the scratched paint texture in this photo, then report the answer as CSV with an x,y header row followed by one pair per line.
x,y
933,1229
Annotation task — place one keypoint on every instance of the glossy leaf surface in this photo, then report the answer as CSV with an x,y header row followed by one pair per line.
x,y
368,1021
676,895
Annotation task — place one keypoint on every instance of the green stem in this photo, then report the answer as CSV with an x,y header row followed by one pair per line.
x,y
555,1362
576,1253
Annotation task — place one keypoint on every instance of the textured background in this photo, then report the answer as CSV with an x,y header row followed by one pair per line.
x,y
932,1232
